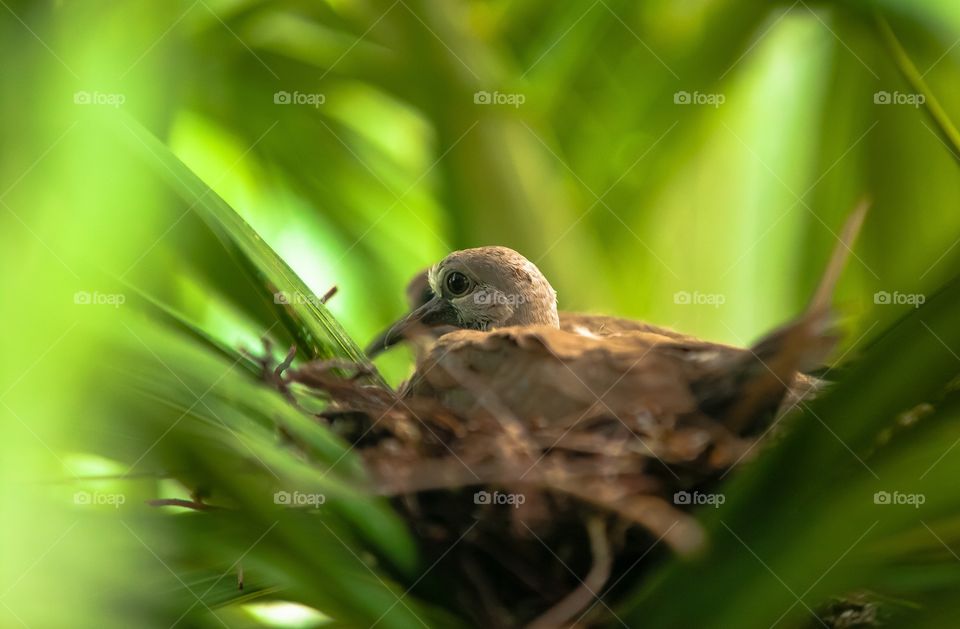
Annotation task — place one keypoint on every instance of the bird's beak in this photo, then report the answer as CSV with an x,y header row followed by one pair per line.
x,y
436,313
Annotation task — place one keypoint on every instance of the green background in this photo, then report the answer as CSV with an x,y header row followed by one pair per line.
x,y
621,195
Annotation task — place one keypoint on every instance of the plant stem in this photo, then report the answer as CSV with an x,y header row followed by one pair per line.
x,y
910,72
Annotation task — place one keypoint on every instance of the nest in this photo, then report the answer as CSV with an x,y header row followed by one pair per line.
x,y
530,523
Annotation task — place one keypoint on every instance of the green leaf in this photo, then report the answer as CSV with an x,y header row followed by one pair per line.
x,y
820,533
317,332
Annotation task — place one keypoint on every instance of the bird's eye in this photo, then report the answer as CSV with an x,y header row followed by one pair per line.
x,y
457,284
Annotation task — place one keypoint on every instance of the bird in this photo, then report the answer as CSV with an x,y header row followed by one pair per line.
x,y
500,341
580,414
420,292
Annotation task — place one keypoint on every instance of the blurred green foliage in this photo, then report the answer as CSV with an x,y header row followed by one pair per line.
x,y
137,134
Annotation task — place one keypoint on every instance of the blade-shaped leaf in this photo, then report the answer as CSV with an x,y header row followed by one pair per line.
x,y
311,324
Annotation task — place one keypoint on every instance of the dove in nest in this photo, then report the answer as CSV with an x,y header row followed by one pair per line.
x,y
420,293
616,414
502,346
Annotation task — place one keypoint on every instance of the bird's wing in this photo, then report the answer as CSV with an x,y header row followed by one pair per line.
x,y
541,374
555,376
602,325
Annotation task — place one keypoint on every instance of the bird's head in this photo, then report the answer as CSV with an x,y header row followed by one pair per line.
x,y
478,289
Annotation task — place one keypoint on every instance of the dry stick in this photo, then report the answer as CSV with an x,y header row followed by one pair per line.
x,y
273,376
587,443
679,530
330,293
838,259
285,363
795,341
447,473
573,603
485,593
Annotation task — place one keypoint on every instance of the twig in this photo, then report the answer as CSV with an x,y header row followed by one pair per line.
x,y
560,614
330,293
